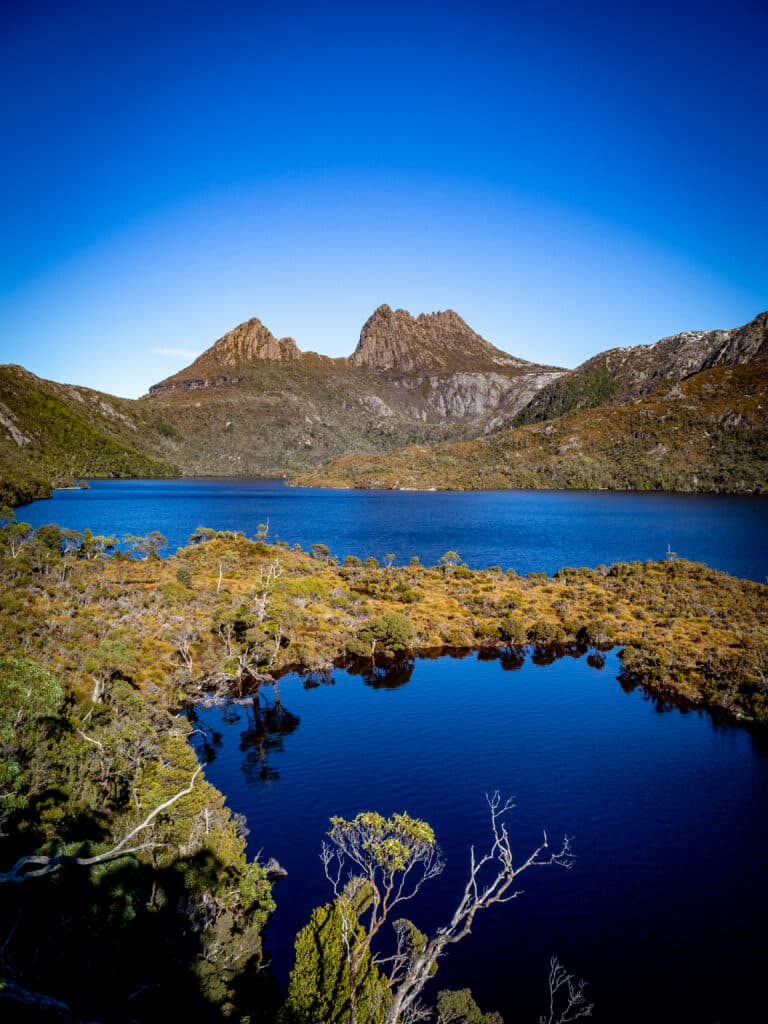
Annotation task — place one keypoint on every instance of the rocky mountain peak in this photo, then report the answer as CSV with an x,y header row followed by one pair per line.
x,y
747,344
247,343
396,340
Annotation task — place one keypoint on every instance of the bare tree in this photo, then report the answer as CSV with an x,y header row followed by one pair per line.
x,y
265,584
567,1001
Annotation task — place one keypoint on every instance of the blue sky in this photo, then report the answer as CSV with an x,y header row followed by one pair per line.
x,y
568,177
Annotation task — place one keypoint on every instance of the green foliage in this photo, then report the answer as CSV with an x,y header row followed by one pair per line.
x,y
29,694
512,630
542,632
146,547
458,1007
385,634
184,575
318,990
390,844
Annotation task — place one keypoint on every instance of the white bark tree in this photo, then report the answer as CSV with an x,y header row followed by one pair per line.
x,y
392,859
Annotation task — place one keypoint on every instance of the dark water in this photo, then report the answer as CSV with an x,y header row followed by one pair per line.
x,y
525,530
664,911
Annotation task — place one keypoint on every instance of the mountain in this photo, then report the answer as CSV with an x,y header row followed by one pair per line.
x,y
621,374
395,340
256,405
248,343
253,404
270,408
707,433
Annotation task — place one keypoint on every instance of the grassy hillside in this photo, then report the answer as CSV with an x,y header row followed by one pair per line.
x,y
51,435
708,433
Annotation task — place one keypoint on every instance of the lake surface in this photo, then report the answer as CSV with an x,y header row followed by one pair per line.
x,y
664,910
525,530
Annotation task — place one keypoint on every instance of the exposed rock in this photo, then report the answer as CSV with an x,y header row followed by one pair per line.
x,y
748,344
395,340
624,374
249,342
275,870
6,421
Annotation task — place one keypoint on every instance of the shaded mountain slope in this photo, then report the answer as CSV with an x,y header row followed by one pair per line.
x,y
54,434
708,433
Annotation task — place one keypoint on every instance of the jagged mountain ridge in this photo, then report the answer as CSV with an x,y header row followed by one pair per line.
x,y
253,404
410,379
391,341
395,340
619,375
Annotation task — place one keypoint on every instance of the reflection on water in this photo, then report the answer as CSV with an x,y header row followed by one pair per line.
x,y
261,720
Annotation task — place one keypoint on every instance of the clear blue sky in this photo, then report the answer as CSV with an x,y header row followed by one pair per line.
x,y
567,176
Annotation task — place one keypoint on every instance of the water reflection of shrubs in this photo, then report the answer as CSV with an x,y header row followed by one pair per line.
x,y
268,721
389,674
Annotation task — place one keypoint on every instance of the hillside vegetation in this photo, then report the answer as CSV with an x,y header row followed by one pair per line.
x,y
53,435
707,433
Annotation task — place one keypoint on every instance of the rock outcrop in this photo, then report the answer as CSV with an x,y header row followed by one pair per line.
x,y
395,340
623,374
248,343
747,344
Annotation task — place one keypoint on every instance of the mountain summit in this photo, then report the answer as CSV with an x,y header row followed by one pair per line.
x,y
390,341
248,343
395,340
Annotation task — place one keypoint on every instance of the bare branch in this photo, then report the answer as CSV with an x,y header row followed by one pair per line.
x,y
20,873
567,1001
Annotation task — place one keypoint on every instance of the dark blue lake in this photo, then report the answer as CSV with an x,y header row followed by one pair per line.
x,y
664,911
525,530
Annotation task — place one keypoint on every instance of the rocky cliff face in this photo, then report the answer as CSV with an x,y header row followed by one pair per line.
x,y
747,344
395,340
624,374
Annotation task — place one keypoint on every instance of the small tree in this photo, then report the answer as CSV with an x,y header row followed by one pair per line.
x,y
319,986
146,547
450,559
385,634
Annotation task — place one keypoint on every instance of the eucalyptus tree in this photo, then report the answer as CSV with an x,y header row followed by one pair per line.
x,y
375,865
